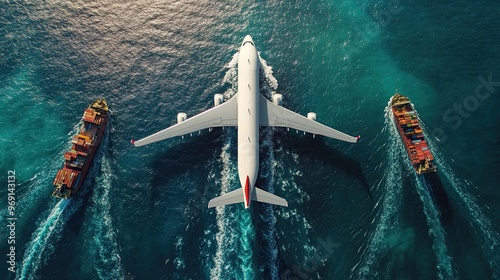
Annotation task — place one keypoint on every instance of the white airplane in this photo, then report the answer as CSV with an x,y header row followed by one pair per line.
x,y
247,110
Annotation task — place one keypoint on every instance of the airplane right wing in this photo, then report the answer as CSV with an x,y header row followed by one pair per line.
x,y
274,115
226,114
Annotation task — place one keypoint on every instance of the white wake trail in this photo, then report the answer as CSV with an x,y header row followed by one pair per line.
x,y
42,240
390,203
108,263
487,234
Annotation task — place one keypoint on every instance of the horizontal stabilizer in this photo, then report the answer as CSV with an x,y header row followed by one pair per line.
x,y
228,198
237,196
266,197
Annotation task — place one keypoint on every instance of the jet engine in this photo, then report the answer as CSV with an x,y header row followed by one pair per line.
x,y
278,99
218,99
311,116
181,117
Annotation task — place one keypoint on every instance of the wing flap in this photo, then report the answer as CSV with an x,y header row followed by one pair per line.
x,y
225,114
274,115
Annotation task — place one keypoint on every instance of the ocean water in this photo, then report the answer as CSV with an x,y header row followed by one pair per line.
x,y
356,211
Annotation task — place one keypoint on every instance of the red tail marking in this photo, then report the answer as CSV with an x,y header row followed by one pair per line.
x,y
247,192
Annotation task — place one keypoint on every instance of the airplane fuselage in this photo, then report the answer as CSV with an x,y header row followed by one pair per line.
x,y
248,118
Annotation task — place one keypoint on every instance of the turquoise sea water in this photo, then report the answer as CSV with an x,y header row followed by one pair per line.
x,y
355,211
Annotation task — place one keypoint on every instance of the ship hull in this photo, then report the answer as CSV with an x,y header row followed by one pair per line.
x,y
408,125
85,145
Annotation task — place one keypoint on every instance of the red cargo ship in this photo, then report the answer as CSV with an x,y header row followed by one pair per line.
x,y
78,160
413,138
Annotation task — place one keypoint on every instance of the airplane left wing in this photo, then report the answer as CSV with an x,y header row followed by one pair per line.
x,y
225,114
274,115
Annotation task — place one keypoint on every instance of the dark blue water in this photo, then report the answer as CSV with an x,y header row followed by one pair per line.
x,y
355,211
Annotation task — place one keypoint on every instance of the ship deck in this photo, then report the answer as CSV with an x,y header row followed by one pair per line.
x,y
412,133
84,145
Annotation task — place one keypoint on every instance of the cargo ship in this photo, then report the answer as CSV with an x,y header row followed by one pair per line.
x,y
78,160
412,134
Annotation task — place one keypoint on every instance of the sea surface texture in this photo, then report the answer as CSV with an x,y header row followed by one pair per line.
x,y
356,211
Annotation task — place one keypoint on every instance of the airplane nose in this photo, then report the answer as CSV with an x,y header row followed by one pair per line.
x,y
248,38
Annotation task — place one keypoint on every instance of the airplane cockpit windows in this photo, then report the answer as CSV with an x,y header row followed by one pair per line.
x,y
248,42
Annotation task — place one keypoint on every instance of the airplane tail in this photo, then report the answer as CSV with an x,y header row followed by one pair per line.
x,y
237,196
